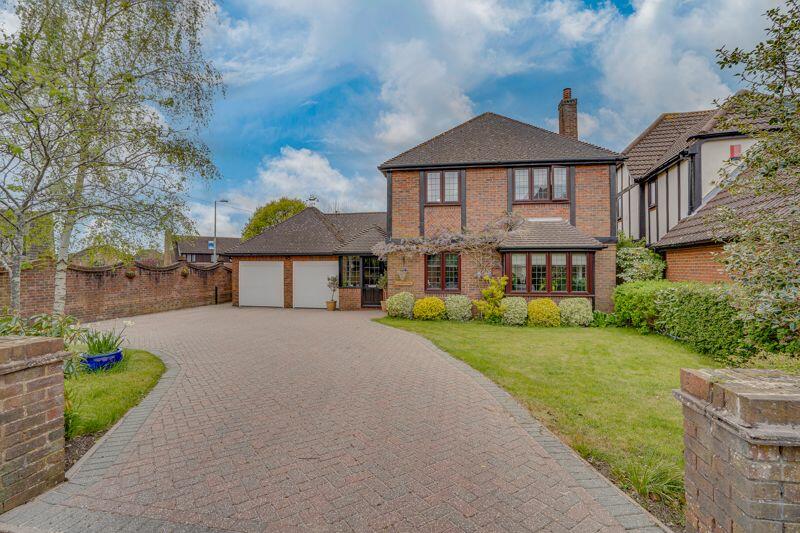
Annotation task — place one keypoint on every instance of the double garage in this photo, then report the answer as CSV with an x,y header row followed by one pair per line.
x,y
271,283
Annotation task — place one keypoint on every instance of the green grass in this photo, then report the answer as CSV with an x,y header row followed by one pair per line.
x,y
606,391
99,399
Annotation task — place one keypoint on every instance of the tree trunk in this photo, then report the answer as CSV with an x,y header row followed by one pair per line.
x,y
62,260
16,274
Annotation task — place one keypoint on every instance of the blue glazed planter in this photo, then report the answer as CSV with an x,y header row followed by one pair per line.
x,y
96,362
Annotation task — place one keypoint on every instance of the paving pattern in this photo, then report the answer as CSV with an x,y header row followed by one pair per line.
x,y
274,419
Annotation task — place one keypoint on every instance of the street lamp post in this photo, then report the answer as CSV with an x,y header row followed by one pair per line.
x,y
214,254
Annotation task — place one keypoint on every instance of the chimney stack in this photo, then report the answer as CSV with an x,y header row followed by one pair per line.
x,y
568,115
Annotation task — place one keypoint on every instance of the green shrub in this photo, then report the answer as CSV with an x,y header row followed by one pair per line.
x,y
400,305
458,307
543,312
515,311
430,308
635,303
575,312
703,316
603,320
636,262
490,307
102,342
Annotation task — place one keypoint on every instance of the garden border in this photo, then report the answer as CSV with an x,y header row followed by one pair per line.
x,y
46,512
631,515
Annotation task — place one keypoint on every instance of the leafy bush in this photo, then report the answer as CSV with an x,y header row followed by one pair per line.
x,y
543,312
458,307
430,308
43,325
575,312
703,316
603,320
515,311
102,342
490,307
400,305
635,303
636,262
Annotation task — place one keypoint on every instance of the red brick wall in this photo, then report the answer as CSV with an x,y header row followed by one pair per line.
x,y
592,200
405,203
32,424
287,273
696,263
350,298
442,218
102,293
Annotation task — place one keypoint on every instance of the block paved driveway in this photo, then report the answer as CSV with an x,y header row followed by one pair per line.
x,y
307,420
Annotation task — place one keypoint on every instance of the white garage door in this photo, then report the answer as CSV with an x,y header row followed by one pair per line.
x,y
261,283
310,282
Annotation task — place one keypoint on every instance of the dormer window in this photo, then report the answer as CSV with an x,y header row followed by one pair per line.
x,y
541,184
442,187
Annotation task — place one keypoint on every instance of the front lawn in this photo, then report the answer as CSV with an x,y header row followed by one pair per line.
x,y
607,392
99,399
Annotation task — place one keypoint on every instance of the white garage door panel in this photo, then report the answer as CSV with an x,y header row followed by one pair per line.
x,y
310,282
261,283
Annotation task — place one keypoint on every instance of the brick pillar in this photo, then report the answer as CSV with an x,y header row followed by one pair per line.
x,y
31,418
742,450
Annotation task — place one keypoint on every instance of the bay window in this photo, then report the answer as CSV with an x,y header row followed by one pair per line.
x,y
541,184
549,272
443,272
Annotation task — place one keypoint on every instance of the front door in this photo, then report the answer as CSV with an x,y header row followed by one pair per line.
x,y
371,270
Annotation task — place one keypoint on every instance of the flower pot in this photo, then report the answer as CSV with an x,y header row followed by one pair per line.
x,y
96,362
331,304
383,305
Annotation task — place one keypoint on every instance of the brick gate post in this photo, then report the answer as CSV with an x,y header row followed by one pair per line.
x,y
31,417
742,450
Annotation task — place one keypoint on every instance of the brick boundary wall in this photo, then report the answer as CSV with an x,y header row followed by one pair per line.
x,y
116,291
31,419
742,450
696,263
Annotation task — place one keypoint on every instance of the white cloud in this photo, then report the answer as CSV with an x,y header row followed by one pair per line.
x,y
229,221
575,22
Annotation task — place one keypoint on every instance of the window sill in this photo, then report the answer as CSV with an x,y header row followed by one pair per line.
x,y
558,294
441,204
443,291
527,202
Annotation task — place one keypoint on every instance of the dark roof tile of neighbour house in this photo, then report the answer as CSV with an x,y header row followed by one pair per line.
x,y
199,244
548,234
665,138
702,226
311,232
493,139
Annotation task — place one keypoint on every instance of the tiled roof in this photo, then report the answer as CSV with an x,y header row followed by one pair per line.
x,y
199,244
664,139
548,234
490,138
702,225
311,232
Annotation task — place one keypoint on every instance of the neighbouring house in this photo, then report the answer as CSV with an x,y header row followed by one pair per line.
x,y
693,248
492,166
106,255
197,249
288,265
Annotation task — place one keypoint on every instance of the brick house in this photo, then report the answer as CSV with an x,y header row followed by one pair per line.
x,y
197,249
288,265
671,172
492,166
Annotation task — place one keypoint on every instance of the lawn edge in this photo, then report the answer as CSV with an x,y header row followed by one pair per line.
x,y
135,416
628,512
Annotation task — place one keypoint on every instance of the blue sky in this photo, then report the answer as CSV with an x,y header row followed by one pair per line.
x,y
321,92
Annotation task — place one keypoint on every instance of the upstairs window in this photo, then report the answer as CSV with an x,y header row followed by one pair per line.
x,y
443,187
541,184
652,193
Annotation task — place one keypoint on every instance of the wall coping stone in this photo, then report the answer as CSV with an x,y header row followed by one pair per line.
x,y
19,348
761,406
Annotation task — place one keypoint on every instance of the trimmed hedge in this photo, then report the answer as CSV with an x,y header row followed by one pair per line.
x,y
515,311
543,312
575,312
458,308
400,305
429,308
702,315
